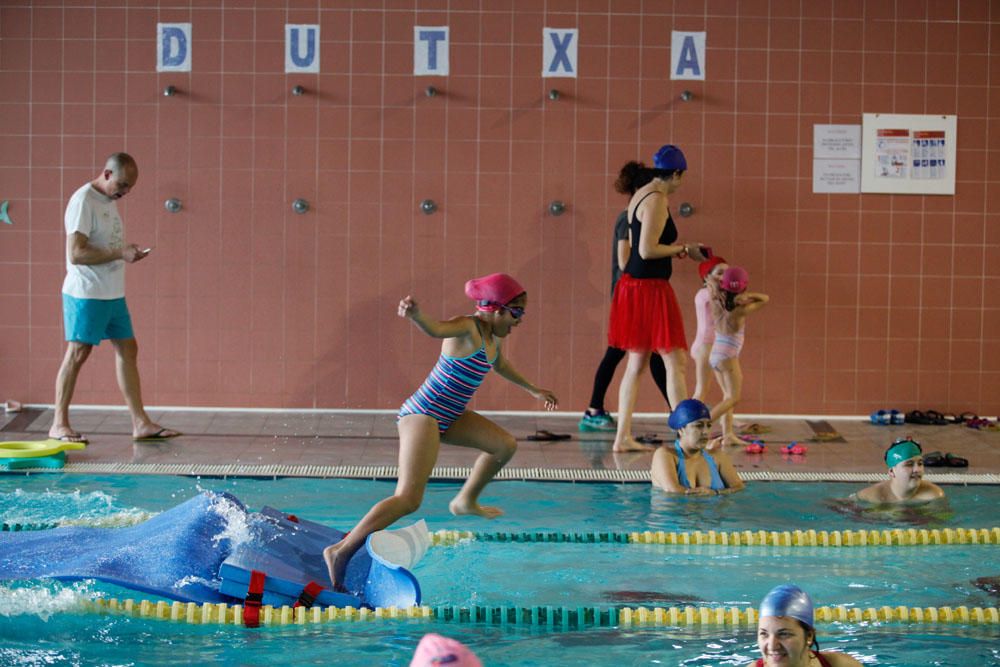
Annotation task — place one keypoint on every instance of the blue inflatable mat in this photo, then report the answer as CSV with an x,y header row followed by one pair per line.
x,y
175,554
188,553
376,574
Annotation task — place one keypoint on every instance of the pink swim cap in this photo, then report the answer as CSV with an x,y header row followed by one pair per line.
x,y
493,291
705,267
734,280
434,650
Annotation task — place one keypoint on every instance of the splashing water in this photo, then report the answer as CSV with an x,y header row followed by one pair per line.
x,y
44,601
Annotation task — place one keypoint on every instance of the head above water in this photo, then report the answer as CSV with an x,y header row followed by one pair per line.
x,y
902,450
687,411
790,601
491,293
435,649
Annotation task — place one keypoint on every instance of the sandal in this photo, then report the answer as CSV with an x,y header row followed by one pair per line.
x,y
953,461
547,436
649,439
794,448
934,460
756,447
755,429
936,418
916,417
966,417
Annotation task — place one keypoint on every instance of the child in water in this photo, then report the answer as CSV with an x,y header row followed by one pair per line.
x,y
731,304
437,412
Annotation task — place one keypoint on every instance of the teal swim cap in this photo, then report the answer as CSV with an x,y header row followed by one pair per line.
x,y
901,450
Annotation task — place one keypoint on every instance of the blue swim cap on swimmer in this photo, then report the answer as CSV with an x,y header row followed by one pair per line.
x,y
687,411
670,158
902,450
788,600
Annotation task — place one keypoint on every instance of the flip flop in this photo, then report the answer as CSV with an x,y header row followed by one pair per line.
x,y
936,418
162,434
916,417
71,437
542,435
794,448
934,460
953,461
755,429
649,439
755,448
966,417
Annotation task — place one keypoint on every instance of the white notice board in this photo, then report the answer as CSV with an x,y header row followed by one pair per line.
x,y
908,154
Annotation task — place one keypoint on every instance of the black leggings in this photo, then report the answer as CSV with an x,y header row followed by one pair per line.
x,y
606,372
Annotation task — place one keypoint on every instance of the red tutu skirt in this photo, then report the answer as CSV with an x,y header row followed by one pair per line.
x,y
645,315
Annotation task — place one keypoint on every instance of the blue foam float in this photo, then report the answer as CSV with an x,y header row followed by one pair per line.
x,y
188,553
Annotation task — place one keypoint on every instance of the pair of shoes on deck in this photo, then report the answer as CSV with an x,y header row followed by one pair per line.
x,y
887,418
926,417
548,436
949,460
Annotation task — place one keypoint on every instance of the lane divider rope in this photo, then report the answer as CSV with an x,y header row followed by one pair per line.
x,y
774,538
537,616
736,538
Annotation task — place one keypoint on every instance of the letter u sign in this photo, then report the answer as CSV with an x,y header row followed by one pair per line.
x,y
301,48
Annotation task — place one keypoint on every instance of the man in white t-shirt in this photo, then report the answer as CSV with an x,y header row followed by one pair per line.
x,y
94,306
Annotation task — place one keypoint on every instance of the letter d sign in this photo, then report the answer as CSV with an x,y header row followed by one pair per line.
x,y
173,47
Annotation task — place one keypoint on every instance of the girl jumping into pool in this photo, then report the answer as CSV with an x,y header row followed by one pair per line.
x,y
436,412
731,304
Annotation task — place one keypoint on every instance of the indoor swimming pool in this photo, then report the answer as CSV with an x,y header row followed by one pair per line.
x,y
41,623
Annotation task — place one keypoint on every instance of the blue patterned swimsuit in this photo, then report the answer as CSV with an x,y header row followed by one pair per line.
x,y
449,387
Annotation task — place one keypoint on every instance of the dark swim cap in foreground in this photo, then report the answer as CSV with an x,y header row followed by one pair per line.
x,y
687,411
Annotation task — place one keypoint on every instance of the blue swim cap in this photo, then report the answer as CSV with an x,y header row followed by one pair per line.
x,y
687,411
670,157
791,601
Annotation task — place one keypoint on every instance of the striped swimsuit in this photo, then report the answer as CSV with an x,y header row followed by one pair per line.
x,y
449,387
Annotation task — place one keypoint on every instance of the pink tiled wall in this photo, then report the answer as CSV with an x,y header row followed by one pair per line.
x,y
877,300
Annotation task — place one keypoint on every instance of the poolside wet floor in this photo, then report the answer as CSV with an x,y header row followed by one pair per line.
x,y
367,438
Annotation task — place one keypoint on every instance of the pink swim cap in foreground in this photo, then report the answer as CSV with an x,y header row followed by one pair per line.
x,y
435,650
734,280
496,288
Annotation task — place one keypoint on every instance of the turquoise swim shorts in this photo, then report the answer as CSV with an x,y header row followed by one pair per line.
x,y
92,320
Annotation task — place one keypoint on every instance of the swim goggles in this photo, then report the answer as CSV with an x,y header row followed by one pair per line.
x,y
517,312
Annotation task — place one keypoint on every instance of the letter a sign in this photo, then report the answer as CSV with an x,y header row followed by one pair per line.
x,y
687,55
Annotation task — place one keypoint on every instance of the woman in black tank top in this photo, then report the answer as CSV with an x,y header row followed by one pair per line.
x,y
645,315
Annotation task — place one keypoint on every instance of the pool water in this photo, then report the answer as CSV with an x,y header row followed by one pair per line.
x,y
36,629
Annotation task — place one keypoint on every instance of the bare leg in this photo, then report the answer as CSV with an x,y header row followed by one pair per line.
x,y
676,363
702,372
419,443
498,447
69,371
730,378
624,442
127,368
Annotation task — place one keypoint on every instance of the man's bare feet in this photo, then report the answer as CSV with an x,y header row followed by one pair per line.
x,y
336,564
459,507
66,434
630,444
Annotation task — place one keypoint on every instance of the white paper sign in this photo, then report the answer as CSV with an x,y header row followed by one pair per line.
x,y
838,176
559,52
430,50
301,47
837,141
173,47
908,154
687,55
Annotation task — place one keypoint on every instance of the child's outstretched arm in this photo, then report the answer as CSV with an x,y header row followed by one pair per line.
x,y
509,373
453,328
751,301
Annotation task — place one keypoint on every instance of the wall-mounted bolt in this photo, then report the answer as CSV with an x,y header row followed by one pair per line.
x,y
298,90
557,207
428,206
553,94
169,91
431,91
687,95
686,210
300,205
173,205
